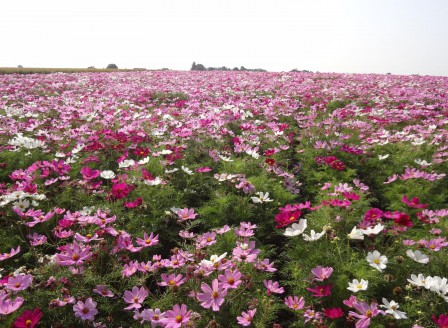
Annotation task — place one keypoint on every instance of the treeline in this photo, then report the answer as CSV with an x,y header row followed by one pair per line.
x,y
200,67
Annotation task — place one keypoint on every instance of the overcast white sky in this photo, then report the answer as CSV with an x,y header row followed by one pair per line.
x,y
353,36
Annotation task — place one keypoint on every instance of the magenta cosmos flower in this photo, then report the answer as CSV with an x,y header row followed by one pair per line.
x,y
28,319
212,297
85,310
176,317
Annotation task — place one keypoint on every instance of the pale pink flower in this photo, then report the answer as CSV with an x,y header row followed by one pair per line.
x,y
135,297
246,318
85,310
103,290
321,273
212,296
293,302
148,241
176,317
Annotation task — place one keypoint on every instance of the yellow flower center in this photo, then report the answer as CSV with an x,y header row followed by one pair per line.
x,y
215,295
178,318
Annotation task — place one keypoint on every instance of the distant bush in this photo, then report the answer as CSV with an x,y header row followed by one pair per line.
x,y
112,66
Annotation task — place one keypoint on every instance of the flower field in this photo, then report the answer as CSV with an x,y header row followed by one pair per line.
x,y
223,199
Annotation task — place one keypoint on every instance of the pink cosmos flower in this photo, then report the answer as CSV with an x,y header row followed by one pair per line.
x,y
85,310
435,244
103,290
203,169
37,239
186,214
265,265
245,252
74,254
273,287
293,302
130,268
176,317
11,253
246,318
148,241
7,305
212,296
135,297
19,282
172,280
154,316
321,273
207,239
230,279
366,312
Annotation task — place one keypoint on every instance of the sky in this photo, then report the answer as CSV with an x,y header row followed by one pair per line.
x,y
345,36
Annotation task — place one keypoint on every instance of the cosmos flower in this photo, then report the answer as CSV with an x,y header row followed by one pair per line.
x,y
377,260
85,310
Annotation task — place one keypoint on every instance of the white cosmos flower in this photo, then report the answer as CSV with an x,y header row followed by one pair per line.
x,y
213,259
171,171
377,260
391,308
71,160
417,256
144,160
382,157
253,153
296,228
187,170
126,163
262,197
373,231
420,281
22,204
313,236
59,154
225,159
154,182
439,285
356,285
422,162
107,174
166,152
356,234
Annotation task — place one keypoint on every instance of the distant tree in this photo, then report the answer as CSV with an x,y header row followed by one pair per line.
x,y
20,66
91,67
242,68
197,67
112,66
236,69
